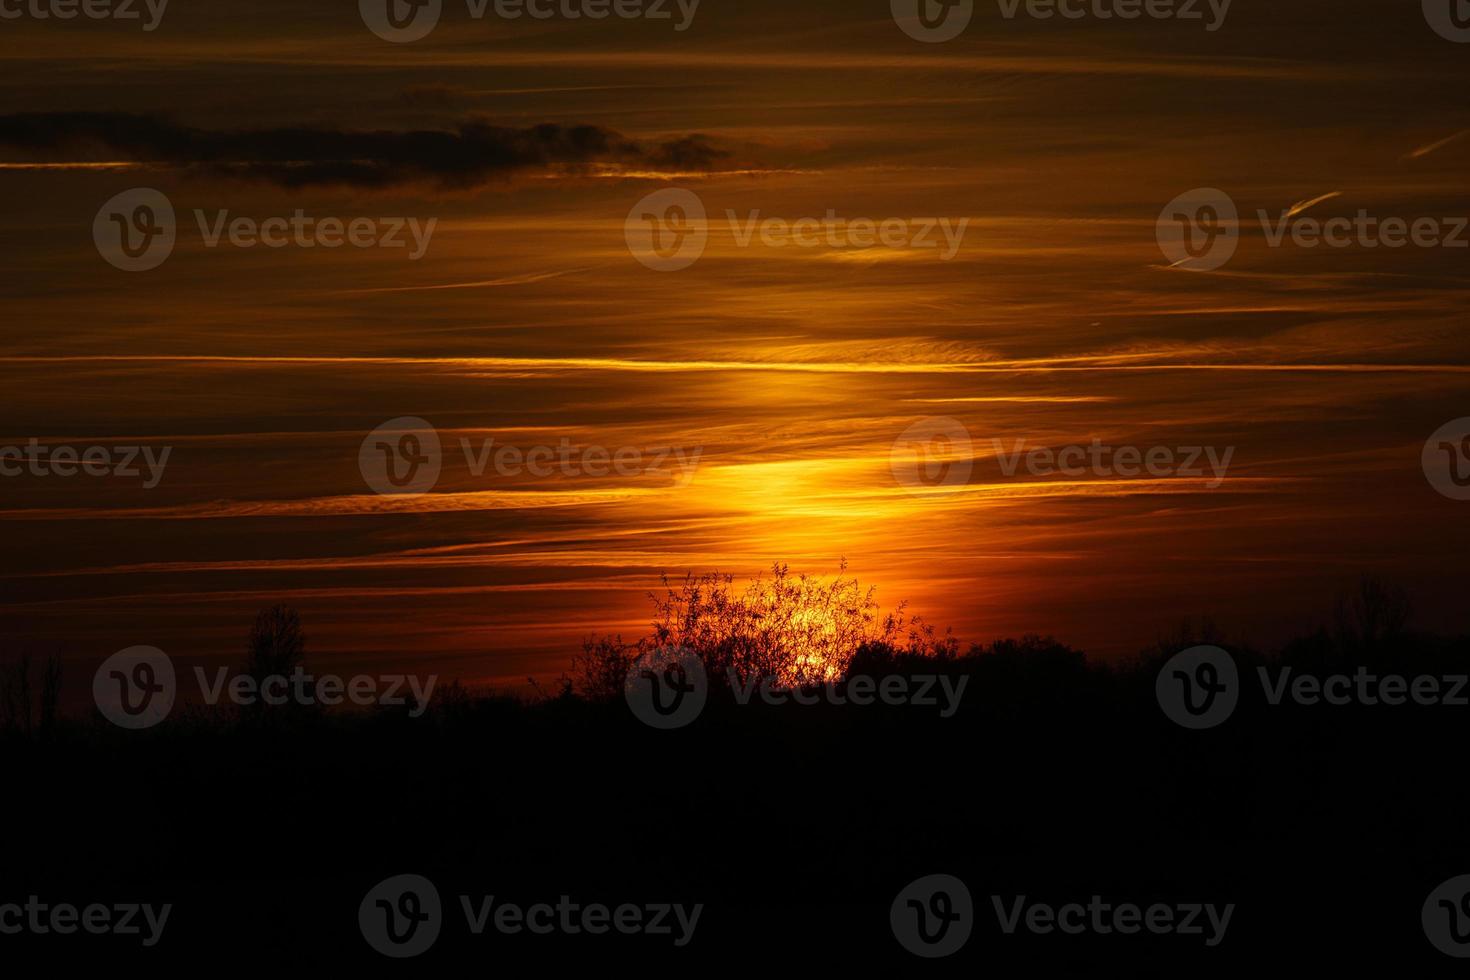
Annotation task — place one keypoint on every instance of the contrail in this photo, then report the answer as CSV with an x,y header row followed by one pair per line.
x,y
1301,206
482,284
1424,151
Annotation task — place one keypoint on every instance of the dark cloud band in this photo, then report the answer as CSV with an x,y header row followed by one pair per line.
x,y
468,155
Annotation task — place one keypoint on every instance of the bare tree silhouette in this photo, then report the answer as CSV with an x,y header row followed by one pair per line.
x,y
1371,616
50,695
276,647
17,696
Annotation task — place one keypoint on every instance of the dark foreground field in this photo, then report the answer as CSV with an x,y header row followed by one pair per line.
x,y
795,826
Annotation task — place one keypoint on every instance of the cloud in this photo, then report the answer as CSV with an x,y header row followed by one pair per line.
x,y
469,155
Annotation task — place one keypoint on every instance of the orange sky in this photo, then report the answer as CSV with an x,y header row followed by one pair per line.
x,y
790,370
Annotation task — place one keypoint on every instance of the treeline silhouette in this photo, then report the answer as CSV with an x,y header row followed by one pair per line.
x,y
1058,778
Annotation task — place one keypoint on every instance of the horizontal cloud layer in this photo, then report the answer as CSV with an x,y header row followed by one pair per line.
x,y
471,154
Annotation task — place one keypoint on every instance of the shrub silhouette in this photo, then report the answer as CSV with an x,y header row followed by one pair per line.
x,y
789,630
602,668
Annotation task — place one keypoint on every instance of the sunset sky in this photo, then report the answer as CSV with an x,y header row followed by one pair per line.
x,y
789,370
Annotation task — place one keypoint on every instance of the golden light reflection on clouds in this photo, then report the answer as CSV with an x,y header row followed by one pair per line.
x,y
791,370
